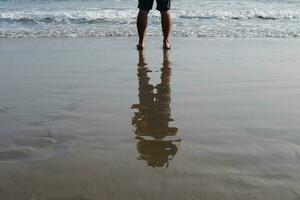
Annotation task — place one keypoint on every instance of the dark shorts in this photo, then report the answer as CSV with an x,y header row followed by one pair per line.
x,y
162,5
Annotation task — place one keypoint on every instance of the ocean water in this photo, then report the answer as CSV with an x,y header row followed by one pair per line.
x,y
192,18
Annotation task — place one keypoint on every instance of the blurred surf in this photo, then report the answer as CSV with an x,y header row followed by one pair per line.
x,y
233,19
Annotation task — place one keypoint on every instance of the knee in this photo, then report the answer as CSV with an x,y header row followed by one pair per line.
x,y
165,13
143,12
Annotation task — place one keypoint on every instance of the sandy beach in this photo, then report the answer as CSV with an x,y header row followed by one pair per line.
x,y
95,119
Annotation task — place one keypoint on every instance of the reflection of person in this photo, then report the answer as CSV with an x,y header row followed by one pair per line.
x,y
153,116
166,22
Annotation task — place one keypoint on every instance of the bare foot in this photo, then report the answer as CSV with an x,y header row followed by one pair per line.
x,y
140,46
167,45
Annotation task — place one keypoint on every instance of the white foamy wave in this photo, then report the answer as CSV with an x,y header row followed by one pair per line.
x,y
108,22
203,33
66,15
92,15
66,33
243,14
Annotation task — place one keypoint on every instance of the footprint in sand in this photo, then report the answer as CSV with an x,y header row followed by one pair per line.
x,y
37,123
6,108
14,154
71,107
37,142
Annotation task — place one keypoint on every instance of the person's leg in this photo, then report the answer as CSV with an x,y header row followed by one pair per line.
x,y
166,20
145,6
166,23
142,20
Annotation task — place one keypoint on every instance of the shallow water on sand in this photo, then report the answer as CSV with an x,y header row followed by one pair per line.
x,y
96,119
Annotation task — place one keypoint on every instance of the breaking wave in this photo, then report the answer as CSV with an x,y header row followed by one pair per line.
x,y
99,22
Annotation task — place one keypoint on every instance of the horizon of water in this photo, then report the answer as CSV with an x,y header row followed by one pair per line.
x,y
192,18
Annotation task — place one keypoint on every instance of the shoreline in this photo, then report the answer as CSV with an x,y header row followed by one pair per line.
x,y
156,36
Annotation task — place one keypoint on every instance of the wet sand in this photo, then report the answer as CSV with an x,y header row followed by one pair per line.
x,y
90,119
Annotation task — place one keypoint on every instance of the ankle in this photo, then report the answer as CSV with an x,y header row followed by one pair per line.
x,y
166,41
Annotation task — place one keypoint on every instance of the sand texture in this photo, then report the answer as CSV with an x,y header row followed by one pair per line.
x,y
95,119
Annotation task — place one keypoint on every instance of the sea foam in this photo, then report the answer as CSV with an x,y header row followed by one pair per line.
x,y
250,20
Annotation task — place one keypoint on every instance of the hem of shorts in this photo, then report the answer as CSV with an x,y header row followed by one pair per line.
x,y
166,9
163,9
144,8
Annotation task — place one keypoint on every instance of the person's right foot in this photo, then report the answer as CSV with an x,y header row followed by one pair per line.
x,y
140,46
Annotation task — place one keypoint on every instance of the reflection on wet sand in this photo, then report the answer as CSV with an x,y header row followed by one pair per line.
x,y
151,121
